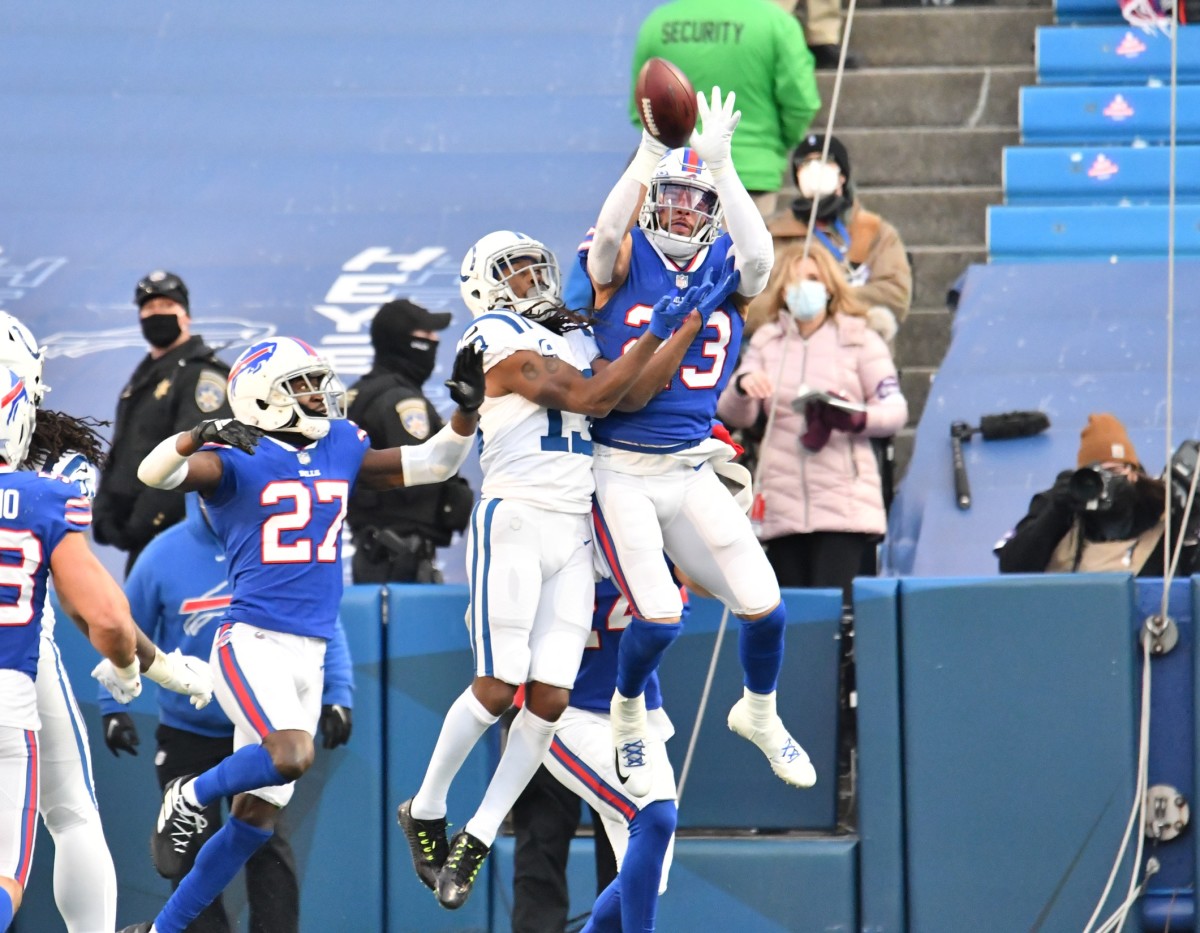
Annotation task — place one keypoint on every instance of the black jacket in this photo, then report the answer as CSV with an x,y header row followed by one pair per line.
x,y
163,397
395,413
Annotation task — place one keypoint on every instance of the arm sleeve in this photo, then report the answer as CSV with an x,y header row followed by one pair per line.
x,y
796,92
1032,542
339,670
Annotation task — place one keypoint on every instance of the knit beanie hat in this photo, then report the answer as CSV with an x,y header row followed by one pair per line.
x,y
1104,438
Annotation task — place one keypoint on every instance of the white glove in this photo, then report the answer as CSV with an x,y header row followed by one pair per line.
x,y
712,142
123,683
652,146
183,673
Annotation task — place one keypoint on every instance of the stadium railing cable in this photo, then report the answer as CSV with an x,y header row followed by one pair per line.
x,y
1115,922
756,483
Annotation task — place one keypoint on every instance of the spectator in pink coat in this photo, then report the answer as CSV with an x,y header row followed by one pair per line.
x,y
819,476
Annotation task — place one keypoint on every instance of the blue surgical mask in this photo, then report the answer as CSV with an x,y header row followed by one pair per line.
x,y
806,299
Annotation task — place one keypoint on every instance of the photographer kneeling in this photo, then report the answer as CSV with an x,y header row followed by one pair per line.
x,y
1106,515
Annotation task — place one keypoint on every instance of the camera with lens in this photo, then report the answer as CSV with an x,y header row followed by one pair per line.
x,y
1180,476
1092,488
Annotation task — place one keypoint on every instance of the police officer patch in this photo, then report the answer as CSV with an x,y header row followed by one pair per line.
x,y
210,391
414,417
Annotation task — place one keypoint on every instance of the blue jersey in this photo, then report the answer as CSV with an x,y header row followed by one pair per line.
x,y
279,514
178,594
681,415
36,513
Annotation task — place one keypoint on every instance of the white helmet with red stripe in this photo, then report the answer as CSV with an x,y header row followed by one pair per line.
x,y
20,352
283,384
17,416
681,213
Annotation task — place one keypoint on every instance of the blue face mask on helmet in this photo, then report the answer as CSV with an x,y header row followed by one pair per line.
x,y
807,299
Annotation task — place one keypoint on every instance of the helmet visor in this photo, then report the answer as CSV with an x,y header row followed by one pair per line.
x,y
318,393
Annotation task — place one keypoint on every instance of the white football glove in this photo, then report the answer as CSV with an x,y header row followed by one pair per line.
x,y
713,138
123,683
183,673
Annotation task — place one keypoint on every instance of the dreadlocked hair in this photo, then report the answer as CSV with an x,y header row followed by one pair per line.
x,y
55,433
564,320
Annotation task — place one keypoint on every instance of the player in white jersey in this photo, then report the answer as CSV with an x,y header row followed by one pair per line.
x,y
85,883
529,553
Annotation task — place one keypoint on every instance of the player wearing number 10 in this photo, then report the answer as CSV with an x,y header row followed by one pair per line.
x,y
276,483
656,486
529,553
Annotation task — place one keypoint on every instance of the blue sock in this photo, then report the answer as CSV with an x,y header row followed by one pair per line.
x,y
249,768
217,862
6,910
642,647
760,647
649,835
606,912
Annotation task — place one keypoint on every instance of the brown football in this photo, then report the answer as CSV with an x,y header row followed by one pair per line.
x,y
666,102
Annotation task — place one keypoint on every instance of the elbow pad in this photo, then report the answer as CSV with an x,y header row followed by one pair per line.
x,y
437,459
163,467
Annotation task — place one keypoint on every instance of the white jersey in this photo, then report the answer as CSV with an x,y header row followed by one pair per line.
x,y
528,453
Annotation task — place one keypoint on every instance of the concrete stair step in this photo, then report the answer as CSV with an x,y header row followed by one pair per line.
x,y
931,96
935,216
936,268
915,383
954,35
923,337
925,155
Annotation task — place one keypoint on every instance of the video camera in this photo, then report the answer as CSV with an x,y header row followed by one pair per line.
x,y
1091,488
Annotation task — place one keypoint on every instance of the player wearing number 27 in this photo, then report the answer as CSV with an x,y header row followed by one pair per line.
x,y
529,552
657,485
276,482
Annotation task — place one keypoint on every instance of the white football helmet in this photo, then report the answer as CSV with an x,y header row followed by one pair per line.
x,y
17,416
268,381
682,192
492,267
20,352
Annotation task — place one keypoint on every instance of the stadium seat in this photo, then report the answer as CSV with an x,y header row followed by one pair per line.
x,y
1112,175
1056,232
1107,113
1113,54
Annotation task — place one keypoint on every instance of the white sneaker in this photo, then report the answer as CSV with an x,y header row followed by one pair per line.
x,y
630,736
788,760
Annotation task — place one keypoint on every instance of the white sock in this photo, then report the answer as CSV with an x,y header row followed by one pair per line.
x,y
466,720
85,883
761,705
630,711
529,739
188,792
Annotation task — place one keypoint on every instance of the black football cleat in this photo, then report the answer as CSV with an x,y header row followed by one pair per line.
x,y
426,842
143,927
462,865
174,842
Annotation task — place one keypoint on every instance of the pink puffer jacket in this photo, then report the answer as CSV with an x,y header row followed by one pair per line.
x,y
837,488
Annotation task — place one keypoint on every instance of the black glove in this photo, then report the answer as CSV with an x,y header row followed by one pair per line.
x,y
228,431
120,734
466,382
336,723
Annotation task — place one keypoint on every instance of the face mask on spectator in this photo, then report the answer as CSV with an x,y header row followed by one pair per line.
x,y
161,330
806,299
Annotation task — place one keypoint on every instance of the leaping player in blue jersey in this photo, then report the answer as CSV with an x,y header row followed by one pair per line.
x,y
276,481
656,486
42,520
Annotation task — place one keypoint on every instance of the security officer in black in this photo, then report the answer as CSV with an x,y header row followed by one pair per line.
x,y
178,383
397,531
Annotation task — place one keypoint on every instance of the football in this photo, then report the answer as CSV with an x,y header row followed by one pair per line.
x,y
666,102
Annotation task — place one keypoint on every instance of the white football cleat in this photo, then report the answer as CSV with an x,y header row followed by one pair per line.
x,y
630,743
788,760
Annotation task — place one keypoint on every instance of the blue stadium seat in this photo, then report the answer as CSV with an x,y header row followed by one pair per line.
x,y
1113,54
1056,232
1102,114
1113,175
1073,12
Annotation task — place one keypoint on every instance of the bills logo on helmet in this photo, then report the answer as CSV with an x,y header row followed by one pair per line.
x,y
253,360
15,393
